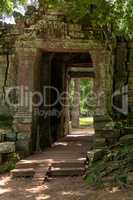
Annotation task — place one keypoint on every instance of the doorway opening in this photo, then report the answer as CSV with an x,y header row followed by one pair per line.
x,y
52,79
82,107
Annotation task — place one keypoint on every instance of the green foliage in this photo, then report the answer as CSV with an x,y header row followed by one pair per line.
x,y
86,121
94,177
9,165
7,6
121,124
121,180
115,164
90,179
86,94
114,16
5,121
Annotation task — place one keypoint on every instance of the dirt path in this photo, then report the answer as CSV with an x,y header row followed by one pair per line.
x,y
64,188
57,189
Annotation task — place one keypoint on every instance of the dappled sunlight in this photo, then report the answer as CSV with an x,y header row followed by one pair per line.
x,y
60,143
81,159
114,189
4,188
76,135
38,189
5,180
82,132
22,188
72,193
42,197
7,190
79,144
69,150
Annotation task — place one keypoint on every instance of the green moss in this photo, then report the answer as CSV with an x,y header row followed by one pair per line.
x,y
9,165
5,121
121,124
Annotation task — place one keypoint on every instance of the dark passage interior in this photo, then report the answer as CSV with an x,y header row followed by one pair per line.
x,y
51,79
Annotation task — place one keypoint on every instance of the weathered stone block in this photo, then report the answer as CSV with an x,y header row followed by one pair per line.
x,y
111,141
127,139
130,178
127,131
67,171
100,143
7,147
7,156
0,158
112,136
95,155
23,146
114,133
23,136
23,127
2,137
100,122
29,172
11,136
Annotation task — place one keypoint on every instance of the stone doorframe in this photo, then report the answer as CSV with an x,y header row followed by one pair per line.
x,y
28,54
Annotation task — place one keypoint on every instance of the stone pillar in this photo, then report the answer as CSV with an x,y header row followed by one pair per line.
x,y
130,86
23,118
76,104
102,91
66,108
120,80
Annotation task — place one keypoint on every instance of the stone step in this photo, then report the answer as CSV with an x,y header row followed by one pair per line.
x,y
75,164
58,162
66,172
72,138
21,165
29,172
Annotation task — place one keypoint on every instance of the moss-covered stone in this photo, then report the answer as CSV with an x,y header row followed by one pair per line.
x,y
95,155
10,164
5,121
116,163
7,147
23,147
23,136
11,136
127,139
100,143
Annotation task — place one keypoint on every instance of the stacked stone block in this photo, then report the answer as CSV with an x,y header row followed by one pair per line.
x,y
7,153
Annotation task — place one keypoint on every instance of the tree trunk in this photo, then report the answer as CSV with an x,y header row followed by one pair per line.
x,y
76,104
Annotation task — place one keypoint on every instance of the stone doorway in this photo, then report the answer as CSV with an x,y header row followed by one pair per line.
x,y
38,68
54,70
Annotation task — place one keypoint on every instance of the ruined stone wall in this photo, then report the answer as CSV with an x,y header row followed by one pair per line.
x,y
8,69
8,78
130,85
120,79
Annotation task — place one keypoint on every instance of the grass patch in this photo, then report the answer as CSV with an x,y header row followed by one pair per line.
x,y
86,121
